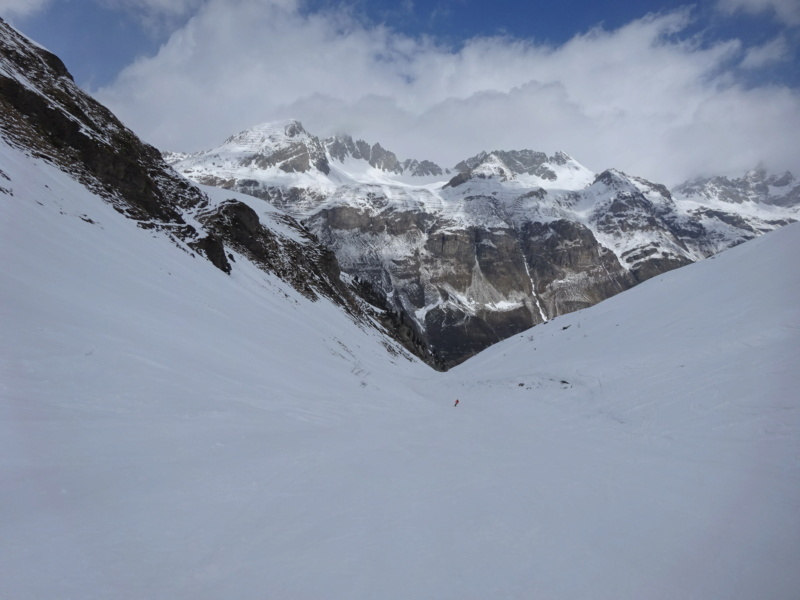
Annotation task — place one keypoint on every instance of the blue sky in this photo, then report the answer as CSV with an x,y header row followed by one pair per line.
x,y
662,89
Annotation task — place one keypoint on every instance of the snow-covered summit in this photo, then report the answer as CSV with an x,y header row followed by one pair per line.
x,y
269,150
267,137
528,167
492,167
262,156
757,186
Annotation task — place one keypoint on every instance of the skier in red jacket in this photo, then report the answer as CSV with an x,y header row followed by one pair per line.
x,y
456,404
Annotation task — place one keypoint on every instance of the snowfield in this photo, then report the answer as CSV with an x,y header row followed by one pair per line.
x,y
171,432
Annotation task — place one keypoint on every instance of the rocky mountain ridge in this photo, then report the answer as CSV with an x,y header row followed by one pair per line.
x,y
756,186
342,147
286,147
503,241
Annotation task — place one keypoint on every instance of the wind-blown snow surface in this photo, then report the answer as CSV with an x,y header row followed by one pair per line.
x,y
168,431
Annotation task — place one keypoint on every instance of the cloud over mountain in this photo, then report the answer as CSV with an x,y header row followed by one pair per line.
x,y
647,97
787,11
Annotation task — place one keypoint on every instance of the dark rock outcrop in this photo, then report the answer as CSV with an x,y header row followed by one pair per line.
x,y
41,109
342,147
307,266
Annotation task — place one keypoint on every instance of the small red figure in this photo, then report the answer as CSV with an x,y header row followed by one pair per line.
x,y
456,404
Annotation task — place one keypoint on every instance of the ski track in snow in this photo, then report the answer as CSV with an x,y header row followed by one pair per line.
x,y
168,431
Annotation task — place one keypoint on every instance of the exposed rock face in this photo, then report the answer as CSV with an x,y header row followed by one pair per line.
x,y
513,239
571,268
642,207
423,168
341,147
309,267
384,160
470,276
477,292
439,277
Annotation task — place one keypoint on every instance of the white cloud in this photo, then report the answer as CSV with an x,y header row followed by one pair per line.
x,y
786,11
172,7
771,52
144,9
634,98
10,9
157,16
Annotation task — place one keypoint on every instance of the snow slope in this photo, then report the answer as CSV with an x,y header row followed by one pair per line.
x,y
666,420
171,432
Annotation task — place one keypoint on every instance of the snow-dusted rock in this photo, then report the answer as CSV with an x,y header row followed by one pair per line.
x,y
503,241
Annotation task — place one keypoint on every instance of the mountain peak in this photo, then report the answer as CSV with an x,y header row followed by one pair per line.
x,y
613,178
492,166
266,136
783,180
559,170
757,186
561,158
341,146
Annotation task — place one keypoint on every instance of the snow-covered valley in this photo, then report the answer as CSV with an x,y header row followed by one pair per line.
x,y
170,431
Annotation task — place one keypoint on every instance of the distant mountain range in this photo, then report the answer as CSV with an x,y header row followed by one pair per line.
x,y
504,240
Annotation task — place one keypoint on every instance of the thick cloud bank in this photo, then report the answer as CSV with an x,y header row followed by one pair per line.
x,y
646,98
